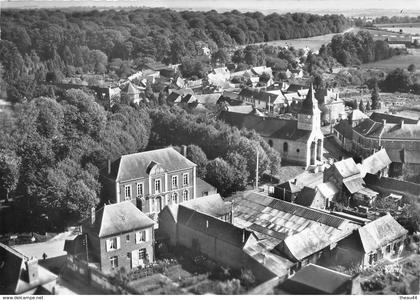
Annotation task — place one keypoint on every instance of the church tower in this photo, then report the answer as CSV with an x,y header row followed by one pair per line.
x,y
309,117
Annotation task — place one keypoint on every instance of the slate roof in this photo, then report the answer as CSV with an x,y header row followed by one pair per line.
x,y
296,87
203,186
369,127
118,218
380,232
266,126
393,185
289,186
374,129
310,103
174,97
273,220
213,227
134,166
212,205
13,272
306,197
345,129
260,95
316,280
391,119
376,162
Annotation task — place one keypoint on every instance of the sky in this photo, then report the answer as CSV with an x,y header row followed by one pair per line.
x,y
408,7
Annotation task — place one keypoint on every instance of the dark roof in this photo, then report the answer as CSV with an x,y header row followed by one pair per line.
x,y
316,280
391,119
289,186
118,218
380,232
172,97
309,103
345,129
212,205
369,127
212,226
156,66
134,166
296,87
266,126
258,95
393,185
306,197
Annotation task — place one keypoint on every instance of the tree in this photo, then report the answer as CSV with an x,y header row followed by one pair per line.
x,y
196,155
368,107
9,171
398,80
375,96
221,175
411,68
361,106
265,77
241,174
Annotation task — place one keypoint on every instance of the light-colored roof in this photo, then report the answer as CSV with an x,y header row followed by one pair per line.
x,y
241,109
134,166
119,218
347,167
354,184
376,162
273,220
212,205
380,232
327,189
358,115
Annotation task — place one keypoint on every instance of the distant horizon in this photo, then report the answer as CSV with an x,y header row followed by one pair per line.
x,y
366,8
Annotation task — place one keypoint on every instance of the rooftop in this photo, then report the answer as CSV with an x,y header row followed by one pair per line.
x,y
119,218
380,232
212,205
376,162
135,166
391,119
347,167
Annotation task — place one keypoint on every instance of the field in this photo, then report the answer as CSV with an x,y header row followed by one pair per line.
x,y
313,43
400,61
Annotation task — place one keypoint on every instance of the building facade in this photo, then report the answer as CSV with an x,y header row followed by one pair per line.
x,y
150,179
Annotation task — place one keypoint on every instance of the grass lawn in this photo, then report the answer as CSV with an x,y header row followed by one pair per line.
x,y
399,61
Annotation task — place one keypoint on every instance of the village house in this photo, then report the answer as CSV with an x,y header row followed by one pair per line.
x,y
319,197
262,100
346,177
150,179
332,107
401,141
299,141
378,164
115,236
379,239
287,191
20,275
132,93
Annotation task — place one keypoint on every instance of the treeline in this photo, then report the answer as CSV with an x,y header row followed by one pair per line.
x,y
397,19
35,42
51,152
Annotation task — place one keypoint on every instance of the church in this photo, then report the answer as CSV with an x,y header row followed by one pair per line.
x,y
298,140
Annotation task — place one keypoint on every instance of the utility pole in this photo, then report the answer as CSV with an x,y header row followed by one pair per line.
x,y
87,252
256,173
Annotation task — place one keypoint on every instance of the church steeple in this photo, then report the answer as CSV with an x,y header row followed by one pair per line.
x,y
309,117
310,104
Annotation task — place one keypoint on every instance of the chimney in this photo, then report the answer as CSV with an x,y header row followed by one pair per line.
x,y
32,269
243,235
92,215
402,124
109,166
384,121
184,150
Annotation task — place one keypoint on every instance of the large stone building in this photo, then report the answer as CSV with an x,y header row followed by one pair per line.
x,y
300,141
150,179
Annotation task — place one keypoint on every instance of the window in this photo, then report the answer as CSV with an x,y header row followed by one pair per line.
x,y
113,243
114,262
127,192
388,248
142,253
140,190
157,186
140,236
297,150
129,255
174,182
270,143
127,238
185,179
185,195
285,147
174,198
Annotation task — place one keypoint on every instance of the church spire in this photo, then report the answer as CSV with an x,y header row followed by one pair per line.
x,y
310,104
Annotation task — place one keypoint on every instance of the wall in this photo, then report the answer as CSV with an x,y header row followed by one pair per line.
x,y
292,154
126,247
168,226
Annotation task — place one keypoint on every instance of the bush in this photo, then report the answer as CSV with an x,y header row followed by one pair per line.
x,y
374,284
